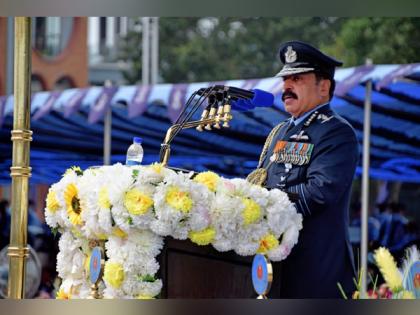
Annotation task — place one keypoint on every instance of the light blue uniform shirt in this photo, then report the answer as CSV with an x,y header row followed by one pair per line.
x,y
297,121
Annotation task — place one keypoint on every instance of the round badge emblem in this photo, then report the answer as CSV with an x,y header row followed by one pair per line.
x,y
96,266
413,279
262,274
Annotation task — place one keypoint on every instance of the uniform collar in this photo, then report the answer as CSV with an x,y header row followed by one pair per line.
x,y
297,121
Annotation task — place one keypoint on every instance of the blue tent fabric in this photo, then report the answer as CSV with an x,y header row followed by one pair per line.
x,y
63,137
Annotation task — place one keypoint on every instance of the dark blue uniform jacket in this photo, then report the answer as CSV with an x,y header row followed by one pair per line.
x,y
323,255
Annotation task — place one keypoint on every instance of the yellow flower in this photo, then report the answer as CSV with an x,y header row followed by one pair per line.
x,y
145,297
407,295
136,202
86,263
178,199
209,179
76,232
388,268
252,211
267,243
102,236
74,209
103,198
157,167
114,274
203,237
119,233
52,202
61,295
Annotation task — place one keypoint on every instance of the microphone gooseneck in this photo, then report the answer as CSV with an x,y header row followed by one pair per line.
x,y
220,100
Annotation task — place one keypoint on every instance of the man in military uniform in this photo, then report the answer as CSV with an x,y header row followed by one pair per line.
x,y
313,157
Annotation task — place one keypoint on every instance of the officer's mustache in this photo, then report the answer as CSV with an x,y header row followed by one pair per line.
x,y
288,93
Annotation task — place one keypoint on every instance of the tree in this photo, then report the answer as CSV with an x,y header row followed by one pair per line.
x,y
384,40
211,49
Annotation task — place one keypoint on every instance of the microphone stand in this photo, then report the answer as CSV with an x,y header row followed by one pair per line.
x,y
222,116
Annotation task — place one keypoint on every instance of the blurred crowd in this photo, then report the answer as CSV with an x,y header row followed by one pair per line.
x,y
42,241
388,226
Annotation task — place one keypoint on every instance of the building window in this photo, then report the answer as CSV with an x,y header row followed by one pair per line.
x,y
63,84
51,35
37,84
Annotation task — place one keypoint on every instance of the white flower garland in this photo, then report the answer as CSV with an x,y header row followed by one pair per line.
x,y
131,209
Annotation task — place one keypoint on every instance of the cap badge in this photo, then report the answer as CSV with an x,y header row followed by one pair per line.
x,y
290,55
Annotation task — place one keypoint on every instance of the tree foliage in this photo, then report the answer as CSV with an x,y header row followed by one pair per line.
x,y
212,49
384,40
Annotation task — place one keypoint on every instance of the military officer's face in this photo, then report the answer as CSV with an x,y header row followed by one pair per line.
x,y
303,92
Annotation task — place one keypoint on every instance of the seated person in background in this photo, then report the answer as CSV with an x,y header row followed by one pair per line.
x,y
4,224
373,226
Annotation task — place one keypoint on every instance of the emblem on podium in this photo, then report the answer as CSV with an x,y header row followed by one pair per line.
x,y
262,275
96,265
413,279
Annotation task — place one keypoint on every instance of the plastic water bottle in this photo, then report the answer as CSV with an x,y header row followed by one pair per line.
x,y
135,152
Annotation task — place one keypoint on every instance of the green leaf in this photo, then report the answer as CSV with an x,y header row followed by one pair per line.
x,y
77,170
342,291
135,174
54,231
148,278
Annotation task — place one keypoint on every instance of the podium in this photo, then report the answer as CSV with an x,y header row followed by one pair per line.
x,y
191,271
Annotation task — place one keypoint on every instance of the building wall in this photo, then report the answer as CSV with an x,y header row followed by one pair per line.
x,y
3,54
71,63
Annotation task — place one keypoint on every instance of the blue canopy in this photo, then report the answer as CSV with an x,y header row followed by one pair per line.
x,y
68,125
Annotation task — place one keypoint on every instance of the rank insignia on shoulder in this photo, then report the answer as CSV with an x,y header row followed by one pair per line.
x,y
324,118
292,153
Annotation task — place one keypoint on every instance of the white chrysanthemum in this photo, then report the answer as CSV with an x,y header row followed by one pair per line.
x,y
70,259
150,289
112,293
136,254
153,174
238,227
179,222
225,218
283,220
54,217
77,288
137,244
123,180
142,221
289,239
89,186
246,248
280,211
118,178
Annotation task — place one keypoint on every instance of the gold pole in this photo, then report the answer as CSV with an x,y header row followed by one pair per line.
x,y
20,170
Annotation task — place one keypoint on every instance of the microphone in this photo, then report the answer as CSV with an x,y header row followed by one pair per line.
x,y
260,99
232,92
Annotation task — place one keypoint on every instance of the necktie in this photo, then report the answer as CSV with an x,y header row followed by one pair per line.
x,y
290,126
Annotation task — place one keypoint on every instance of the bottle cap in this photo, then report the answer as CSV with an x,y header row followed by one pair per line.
x,y
137,140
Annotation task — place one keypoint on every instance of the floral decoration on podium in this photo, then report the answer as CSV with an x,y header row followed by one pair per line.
x,y
131,209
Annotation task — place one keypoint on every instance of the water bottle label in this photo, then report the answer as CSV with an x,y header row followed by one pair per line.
x,y
132,162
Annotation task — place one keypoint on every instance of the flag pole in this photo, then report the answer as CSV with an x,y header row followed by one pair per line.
x,y
365,183
18,250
